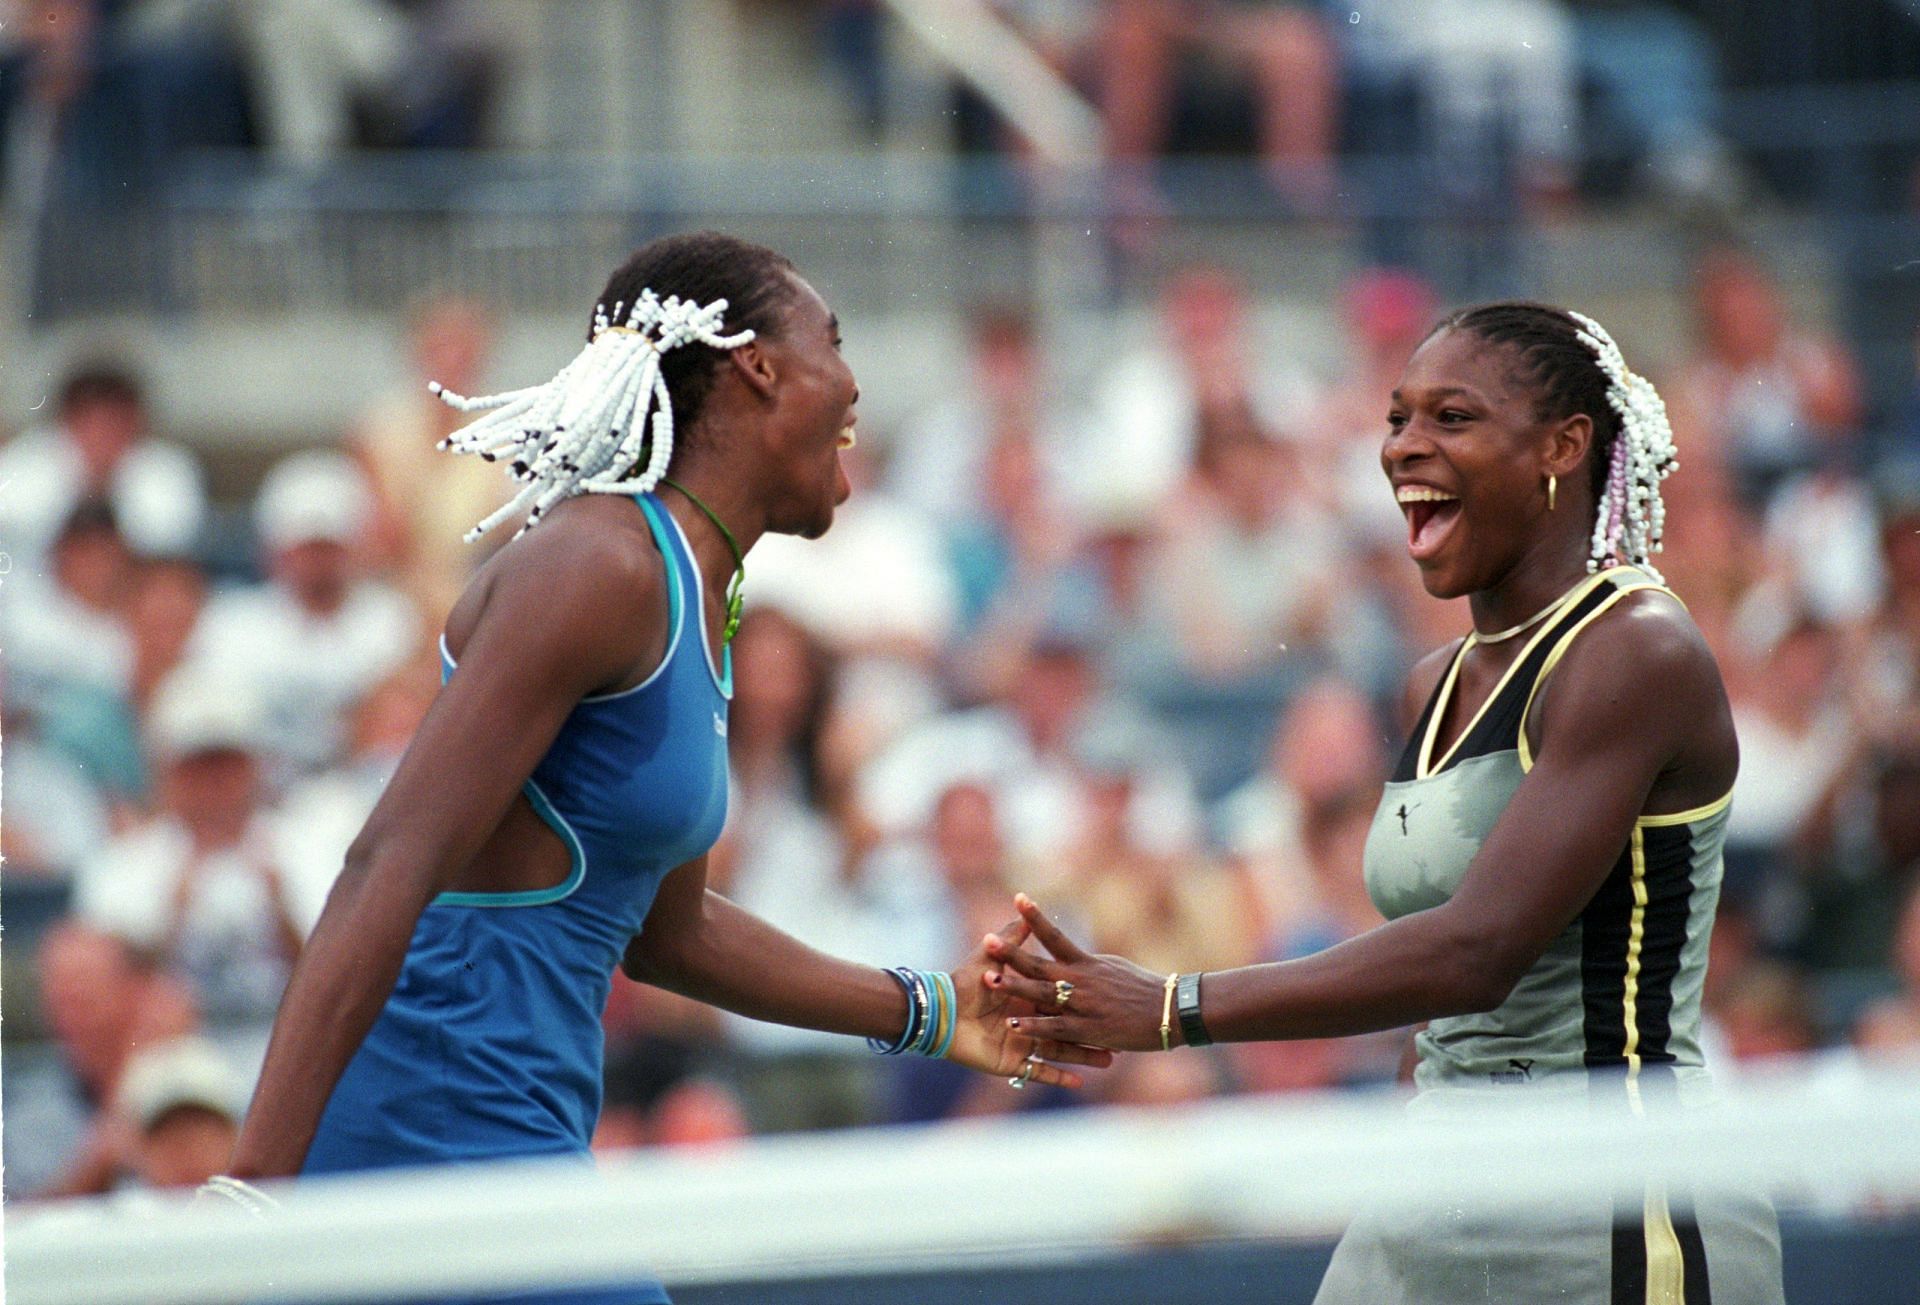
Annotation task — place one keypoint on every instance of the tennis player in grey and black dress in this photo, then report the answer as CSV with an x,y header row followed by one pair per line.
x,y
1547,854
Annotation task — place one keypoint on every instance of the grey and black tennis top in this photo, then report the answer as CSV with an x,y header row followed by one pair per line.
x,y
1619,991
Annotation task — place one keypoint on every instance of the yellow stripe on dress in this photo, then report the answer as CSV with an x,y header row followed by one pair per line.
x,y
1666,1266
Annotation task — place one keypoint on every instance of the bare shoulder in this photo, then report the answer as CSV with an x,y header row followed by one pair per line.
x,y
589,580
1641,675
1648,640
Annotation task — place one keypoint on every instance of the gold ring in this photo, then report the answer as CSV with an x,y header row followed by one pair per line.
x,y
1062,992
1020,1080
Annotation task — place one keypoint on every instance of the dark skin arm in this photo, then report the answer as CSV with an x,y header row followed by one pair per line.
x,y
700,945
1634,720
576,612
537,641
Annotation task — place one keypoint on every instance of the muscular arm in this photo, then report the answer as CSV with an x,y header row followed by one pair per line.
x,y
1622,713
699,944
538,645
1636,709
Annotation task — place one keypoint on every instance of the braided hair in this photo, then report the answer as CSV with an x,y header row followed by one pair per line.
x,y
605,423
1575,367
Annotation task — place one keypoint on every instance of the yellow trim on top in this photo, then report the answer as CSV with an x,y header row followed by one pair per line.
x,y
1636,934
1425,767
1560,650
1666,1266
1686,817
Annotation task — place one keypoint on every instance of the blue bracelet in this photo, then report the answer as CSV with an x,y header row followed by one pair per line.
x,y
952,1001
923,1045
916,1009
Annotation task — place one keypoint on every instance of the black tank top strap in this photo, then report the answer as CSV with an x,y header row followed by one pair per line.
x,y
1498,726
1408,767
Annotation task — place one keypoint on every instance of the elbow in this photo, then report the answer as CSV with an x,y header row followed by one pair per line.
x,y
1480,973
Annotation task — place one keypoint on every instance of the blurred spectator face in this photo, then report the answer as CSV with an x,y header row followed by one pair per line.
x,y
1254,477
212,791
1388,312
1109,797
1328,744
102,426
966,837
184,1147
386,719
166,604
1801,665
1739,309
312,509
1767,1012
317,572
1206,315
91,561
1005,364
1336,841
1012,476
1051,694
451,340
89,990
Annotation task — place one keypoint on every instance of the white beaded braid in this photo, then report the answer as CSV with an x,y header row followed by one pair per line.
x,y
1630,520
584,431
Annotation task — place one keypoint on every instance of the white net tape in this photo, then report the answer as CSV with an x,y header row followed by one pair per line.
x,y
887,1200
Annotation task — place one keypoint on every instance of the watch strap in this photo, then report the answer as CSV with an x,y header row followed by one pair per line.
x,y
1186,998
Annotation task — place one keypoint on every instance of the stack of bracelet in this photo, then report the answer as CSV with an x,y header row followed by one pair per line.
x,y
932,1012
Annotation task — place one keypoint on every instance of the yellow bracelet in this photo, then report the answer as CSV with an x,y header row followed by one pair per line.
x,y
1166,1014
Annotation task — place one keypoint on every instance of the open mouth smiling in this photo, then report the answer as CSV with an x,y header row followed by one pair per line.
x,y
1431,514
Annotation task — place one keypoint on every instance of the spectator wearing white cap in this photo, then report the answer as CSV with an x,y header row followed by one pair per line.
x,y
318,635
211,886
181,1101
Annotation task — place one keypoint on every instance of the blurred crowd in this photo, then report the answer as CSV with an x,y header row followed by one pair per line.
x,y
1133,646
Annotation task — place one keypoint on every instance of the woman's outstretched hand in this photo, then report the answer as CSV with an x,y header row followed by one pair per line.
x,y
986,1039
1110,1001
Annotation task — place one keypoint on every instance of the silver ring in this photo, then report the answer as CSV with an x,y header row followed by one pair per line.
x,y
1019,1081
1062,992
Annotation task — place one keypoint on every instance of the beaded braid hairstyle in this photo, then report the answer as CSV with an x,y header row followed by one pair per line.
x,y
1576,367
606,422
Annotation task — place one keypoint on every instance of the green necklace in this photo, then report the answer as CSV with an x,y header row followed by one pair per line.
x,y
739,562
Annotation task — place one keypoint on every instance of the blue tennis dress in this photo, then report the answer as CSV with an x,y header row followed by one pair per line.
x,y
491,1046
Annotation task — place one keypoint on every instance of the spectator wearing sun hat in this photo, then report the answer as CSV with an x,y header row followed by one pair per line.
x,y
318,635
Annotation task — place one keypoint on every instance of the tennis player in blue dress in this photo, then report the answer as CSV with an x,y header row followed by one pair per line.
x,y
552,817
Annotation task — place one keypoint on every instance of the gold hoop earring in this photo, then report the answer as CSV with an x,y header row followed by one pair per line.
x,y
1553,484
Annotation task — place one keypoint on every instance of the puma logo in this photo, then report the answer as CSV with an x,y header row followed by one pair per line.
x,y
1517,1071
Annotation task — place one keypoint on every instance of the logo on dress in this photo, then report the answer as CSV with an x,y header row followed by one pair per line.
x,y
1403,813
1517,1071
720,725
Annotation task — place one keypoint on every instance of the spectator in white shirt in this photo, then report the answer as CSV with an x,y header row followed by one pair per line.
x,y
99,446
318,636
207,885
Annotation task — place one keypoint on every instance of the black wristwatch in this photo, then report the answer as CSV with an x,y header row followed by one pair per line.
x,y
1186,999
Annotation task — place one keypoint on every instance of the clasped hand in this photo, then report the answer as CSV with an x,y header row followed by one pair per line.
x,y
1072,998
